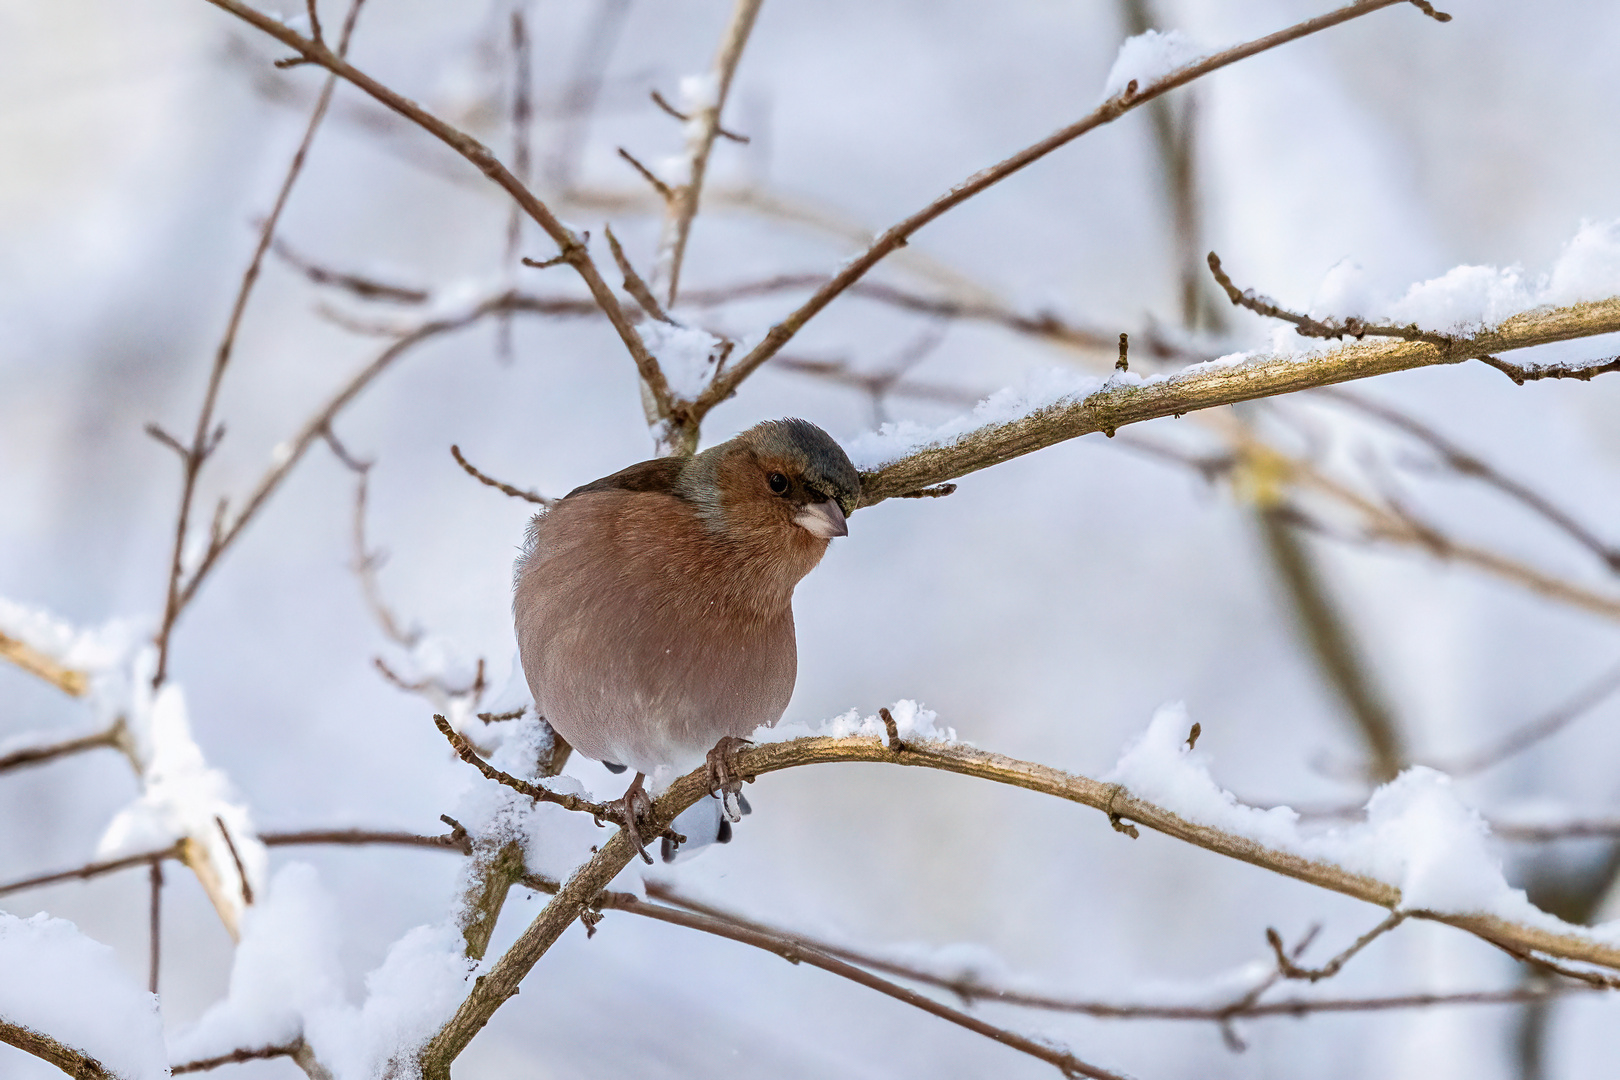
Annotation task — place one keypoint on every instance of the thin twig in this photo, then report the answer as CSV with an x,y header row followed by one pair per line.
x,y
90,870
241,871
205,437
583,88
465,752
504,489
38,755
572,250
898,235
1526,736
455,840
702,128
1467,464
1291,970
155,926
633,283
363,287
663,189
236,1057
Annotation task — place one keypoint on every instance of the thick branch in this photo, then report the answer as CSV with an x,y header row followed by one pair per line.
x,y
75,1063
1205,387
581,891
31,660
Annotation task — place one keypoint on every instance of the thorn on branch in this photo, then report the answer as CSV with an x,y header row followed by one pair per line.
x,y
505,489
1120,825
1428,9
1124,361
662,188
1192,736
892,731
293,61
1521,375
495,718
938,491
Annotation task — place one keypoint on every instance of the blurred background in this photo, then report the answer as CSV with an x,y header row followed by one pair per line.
x,y
1044,610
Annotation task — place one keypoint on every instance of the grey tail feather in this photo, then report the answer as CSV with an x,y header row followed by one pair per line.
x,y
613,768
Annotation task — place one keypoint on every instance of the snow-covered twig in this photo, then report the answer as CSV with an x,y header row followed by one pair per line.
x,y
906,461
1543,937
76,1063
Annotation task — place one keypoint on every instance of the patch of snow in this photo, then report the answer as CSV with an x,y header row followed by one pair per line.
x,y
687,355
1149,57
181,794
911,720
58,982
1417,834
1041,390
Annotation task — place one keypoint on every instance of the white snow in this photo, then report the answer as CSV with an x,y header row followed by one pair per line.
x,y
181,794
1043,389
1149,57
286,981
56,981
94,651
1417,835
911,721
687,355
1466,299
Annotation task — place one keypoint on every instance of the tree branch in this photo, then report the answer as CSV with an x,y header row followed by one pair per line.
x,y
75,1063
571,249
702,127
898,235
580,892
1205,387
38,755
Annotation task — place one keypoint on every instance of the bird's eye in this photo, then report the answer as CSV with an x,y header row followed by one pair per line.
x,y
778,482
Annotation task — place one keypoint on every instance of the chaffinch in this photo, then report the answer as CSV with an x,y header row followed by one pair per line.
x,y
654,607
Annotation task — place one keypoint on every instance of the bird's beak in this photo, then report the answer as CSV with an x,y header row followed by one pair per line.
x,y
823,519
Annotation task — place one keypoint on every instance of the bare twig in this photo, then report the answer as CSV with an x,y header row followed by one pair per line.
x,y
633,283
1522,738
206,436
663,189
155,926
90,870
363,287
37,755
70,682
237,1057
1467,464
1205,387
1291,970
581,891
536,792
572,250
898,235
702,128
455,840
241,871
504,489
798,951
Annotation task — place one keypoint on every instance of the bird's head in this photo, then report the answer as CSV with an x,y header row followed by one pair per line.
x,y
785,480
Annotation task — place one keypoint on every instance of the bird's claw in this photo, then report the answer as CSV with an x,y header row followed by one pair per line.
x,y
724,777
630,810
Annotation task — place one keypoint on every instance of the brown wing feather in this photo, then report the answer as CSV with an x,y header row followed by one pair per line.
x,y
659,474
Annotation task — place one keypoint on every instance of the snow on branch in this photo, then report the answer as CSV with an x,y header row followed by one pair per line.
x,y
906,457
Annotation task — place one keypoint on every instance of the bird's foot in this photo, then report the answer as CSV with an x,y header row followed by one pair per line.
x,y
631,810
724,777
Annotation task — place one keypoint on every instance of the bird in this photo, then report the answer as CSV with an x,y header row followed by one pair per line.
x,y
654,607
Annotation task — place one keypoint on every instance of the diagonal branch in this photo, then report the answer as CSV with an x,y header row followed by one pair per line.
x,y
69,681
1206,386
571,248
206,436
580,893
898,235
76,1063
